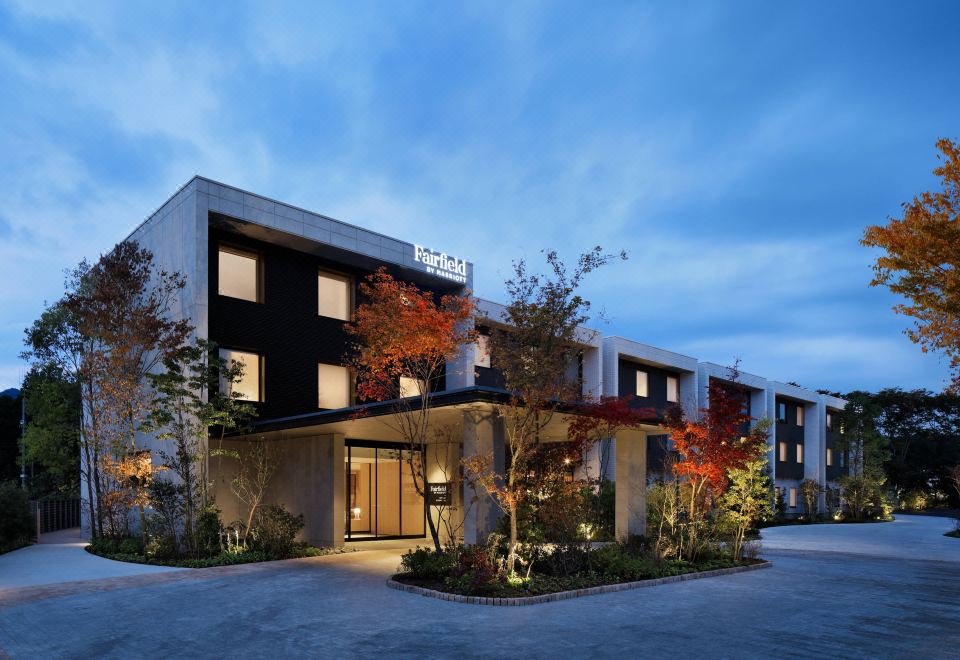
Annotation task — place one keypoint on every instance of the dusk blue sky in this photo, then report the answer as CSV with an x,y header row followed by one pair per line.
x,y
736,150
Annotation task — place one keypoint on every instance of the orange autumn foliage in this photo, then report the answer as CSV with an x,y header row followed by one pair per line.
x,y
922,261
401,330
717,442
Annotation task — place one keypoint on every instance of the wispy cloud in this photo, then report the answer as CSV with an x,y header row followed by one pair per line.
x,y
737,165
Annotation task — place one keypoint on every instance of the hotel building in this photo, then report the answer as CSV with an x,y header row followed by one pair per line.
x,y
273,286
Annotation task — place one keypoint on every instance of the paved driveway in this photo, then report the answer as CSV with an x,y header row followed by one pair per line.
x,y
858,598
60,557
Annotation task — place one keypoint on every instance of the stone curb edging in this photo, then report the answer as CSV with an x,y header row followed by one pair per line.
x,y
577,593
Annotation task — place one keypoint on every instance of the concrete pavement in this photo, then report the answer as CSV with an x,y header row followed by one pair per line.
x,y
907,537
59,558
842,602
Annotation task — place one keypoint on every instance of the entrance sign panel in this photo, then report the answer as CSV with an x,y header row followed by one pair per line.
x,y
441,494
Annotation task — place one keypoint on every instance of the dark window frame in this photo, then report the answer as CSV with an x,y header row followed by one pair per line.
x,y
261,368
256,255
351,293
351,394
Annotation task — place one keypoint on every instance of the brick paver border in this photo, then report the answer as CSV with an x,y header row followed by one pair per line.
x,y
564,595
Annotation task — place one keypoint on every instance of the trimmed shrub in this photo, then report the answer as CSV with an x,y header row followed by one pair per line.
x,y
425,564
132,545
564,560
208,530
914,500
275,530
476,572
17,526
635,545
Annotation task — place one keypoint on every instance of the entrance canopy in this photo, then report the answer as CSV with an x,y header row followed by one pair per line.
x,y
344,470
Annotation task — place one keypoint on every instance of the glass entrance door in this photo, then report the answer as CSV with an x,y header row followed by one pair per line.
x,y
381,496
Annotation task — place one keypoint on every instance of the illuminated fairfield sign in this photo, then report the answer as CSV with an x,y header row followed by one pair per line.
x,y
441,264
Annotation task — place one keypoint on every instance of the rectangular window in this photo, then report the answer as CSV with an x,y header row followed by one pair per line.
x,y
829,457
781,412
249,387
793,498
799,453
334,296
673,390
783,452
829,422
333,385
642,383
800,415
238,274
481,352
410,387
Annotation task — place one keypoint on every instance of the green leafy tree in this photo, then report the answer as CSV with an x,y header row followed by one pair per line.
x,y
55,343
17,526
52,436
922,433
810,492
748,498
868,450
533,348
187,403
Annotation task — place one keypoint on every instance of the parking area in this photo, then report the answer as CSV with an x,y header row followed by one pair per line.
x,y
834,590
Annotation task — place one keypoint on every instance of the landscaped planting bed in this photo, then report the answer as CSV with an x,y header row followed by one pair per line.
x,y
530,598
126,550
478,572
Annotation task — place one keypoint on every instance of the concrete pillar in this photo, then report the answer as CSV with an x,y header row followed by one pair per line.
x,y
688,395
482,436
813,450
338,486
631,484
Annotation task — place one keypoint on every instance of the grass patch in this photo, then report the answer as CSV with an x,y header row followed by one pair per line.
x,y
223,559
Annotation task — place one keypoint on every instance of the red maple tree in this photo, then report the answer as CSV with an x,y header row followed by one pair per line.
x,y
403,331
601,419
405,335
709,447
